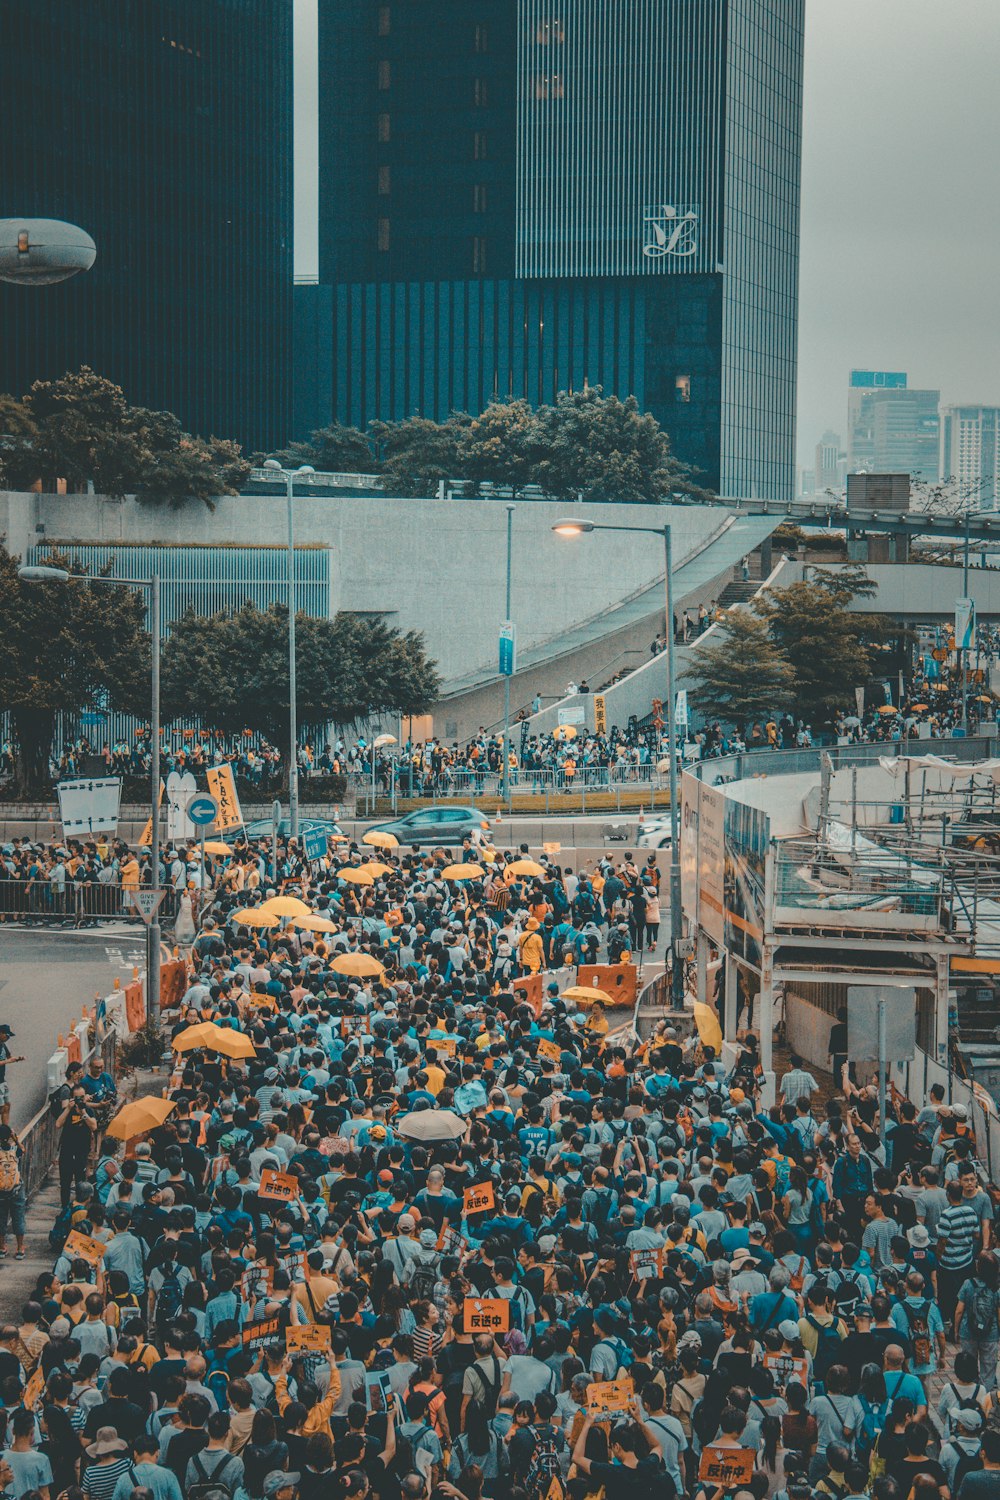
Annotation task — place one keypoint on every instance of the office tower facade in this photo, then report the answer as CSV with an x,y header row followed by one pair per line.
x,y
970,453
165,131
892,428
519,197
831,463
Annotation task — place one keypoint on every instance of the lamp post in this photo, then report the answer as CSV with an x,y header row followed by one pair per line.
x,y
293,723
505,770
41,252
577,526
43,574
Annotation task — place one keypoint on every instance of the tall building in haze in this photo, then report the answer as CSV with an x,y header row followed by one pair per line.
x,y
970,453
892,429
518,197
164,129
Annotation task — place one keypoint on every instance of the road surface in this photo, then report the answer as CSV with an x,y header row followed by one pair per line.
x,y
46,977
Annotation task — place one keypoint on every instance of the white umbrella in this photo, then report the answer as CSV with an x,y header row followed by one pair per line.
x,y
430,1125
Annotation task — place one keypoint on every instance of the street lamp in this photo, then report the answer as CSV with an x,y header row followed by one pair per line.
x,y
293,725
40,252
508,625
41,573
578,526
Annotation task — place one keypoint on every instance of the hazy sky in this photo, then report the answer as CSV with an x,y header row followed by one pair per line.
x,y
900,204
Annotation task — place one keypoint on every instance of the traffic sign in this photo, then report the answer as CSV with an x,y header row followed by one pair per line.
x,y
202,809
314,842
147,903
508,649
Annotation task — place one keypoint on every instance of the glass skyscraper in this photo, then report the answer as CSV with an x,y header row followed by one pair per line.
x,y
519,197
164,129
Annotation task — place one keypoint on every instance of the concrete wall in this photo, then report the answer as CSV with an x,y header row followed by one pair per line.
x,y
925,591
431,565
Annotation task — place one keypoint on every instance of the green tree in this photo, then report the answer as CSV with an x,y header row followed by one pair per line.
x,y
740,676
499,447
830,647
333,450
418,453
18,436
601,448
65,648
82,429
230,671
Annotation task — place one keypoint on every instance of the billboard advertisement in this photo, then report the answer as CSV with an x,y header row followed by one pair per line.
x,y
747,835
702,816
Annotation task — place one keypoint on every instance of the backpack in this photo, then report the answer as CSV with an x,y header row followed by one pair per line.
x,y
423,1280
409,1454
210,1488
491,1391
544,1466
10,1172
61,1228
601,1208
171,1295
516,1305
873,1417
917,1318
968,1463
982,1309
847,1293
621,1349
827,1346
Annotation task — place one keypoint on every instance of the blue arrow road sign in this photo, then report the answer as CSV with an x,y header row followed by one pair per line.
x,y
202,809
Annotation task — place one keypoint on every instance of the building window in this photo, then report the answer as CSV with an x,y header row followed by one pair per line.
x,y
383,234
479,93
682,388
479,255
550,34
383,20
384,181
384,128
482,39
479,145
479,198
384,74
547,87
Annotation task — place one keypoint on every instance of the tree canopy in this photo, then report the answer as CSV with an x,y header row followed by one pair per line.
x,y
332,450
230,671
82,429
65,648
741,676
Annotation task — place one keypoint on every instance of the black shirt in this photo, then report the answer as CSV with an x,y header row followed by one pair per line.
x,y
647,1481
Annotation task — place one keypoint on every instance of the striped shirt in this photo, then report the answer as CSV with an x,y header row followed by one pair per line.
x,y
960,1223
100,1480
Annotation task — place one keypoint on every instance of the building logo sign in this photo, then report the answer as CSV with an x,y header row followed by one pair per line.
x,y
671,231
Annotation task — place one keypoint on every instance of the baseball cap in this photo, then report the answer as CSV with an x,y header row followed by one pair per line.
x,y
407,1221
385,1176
757,1228
279,1479
788,1329
969,1418
428,1238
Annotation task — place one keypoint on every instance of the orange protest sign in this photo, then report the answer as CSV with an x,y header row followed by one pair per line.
x,y
604,1396
551,1050
646,1265
309,1337
278,1186
478,1199
261,1000
81,1247
486,1315
34,1389
445,1045
726,1467
222,786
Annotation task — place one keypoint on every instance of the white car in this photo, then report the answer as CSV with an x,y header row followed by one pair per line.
x,y
655,833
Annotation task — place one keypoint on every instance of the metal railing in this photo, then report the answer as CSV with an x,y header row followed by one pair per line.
x,y
747,763
77,904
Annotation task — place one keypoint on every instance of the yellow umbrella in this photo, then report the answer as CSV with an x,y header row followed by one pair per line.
x,y
524,867
707,1023
462,872
232,1043
287,906
565,732
919,708
380,840
139,1116
376,868
216,846
984,698
202,1034
886,708
315,924
584,992
358,966
355,876
256,916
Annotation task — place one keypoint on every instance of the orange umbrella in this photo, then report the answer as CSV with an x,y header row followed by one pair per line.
x,y
358,966
256,916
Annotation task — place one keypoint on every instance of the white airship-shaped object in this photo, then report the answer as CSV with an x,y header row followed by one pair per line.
x,y
38,252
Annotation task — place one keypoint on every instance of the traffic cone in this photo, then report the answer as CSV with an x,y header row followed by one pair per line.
x,y
499,817
642,815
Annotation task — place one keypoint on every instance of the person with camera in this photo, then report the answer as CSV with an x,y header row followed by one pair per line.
x,y
78,1124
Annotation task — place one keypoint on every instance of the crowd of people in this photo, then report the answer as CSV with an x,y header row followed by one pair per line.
x,y
403,1233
